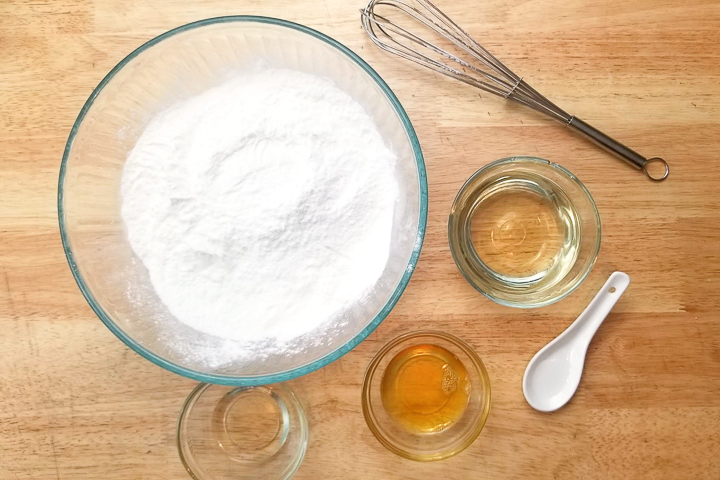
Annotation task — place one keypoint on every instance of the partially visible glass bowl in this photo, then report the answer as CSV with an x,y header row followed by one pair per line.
x,y
229,433
538,236
178,64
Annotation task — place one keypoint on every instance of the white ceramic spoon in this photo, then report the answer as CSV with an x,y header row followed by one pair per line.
x,y
553,375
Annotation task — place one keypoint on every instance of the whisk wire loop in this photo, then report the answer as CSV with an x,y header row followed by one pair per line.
x,y
486,72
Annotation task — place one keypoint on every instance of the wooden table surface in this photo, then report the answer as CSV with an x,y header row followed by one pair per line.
x,y
75,403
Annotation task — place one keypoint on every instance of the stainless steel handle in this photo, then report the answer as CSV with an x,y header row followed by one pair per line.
x,y
618,149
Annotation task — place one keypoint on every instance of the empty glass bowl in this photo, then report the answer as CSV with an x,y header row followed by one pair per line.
x,y
426,395
229,433
524,232
181,63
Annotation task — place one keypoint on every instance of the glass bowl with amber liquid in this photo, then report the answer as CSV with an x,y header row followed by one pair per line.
x,y
426,395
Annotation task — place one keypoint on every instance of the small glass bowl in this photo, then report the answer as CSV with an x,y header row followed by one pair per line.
x,y
436,445
226,433
535,210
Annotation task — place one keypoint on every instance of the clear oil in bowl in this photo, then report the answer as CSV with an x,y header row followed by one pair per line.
x,y
516,235
524,229
524,232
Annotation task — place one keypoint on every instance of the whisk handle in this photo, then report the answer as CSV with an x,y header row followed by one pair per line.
x,y
618,149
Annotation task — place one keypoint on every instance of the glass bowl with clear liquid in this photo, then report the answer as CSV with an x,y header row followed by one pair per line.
x,y
524,232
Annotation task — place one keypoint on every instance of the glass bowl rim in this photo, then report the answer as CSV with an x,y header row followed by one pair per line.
x,y
308,367
569,175
372,369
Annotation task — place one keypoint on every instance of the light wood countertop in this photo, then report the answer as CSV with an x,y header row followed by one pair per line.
x,y
75,403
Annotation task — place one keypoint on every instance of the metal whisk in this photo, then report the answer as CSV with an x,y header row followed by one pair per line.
x,y
479,69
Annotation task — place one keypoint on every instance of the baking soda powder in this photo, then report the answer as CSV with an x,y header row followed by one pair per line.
x,y
261,208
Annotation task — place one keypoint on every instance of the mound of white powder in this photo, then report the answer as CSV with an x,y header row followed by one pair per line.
x,y
261,208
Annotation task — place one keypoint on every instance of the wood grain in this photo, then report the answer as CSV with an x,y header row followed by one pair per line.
x,y
75,403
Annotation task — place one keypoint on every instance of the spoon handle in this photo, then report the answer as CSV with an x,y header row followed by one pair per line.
x,y
594,314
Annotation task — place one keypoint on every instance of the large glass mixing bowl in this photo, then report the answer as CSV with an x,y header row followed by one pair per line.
x,y
181,63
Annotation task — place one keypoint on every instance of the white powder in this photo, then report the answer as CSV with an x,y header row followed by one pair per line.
x,y
261,208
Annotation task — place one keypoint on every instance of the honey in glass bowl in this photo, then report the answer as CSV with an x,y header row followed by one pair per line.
x,y
425,388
